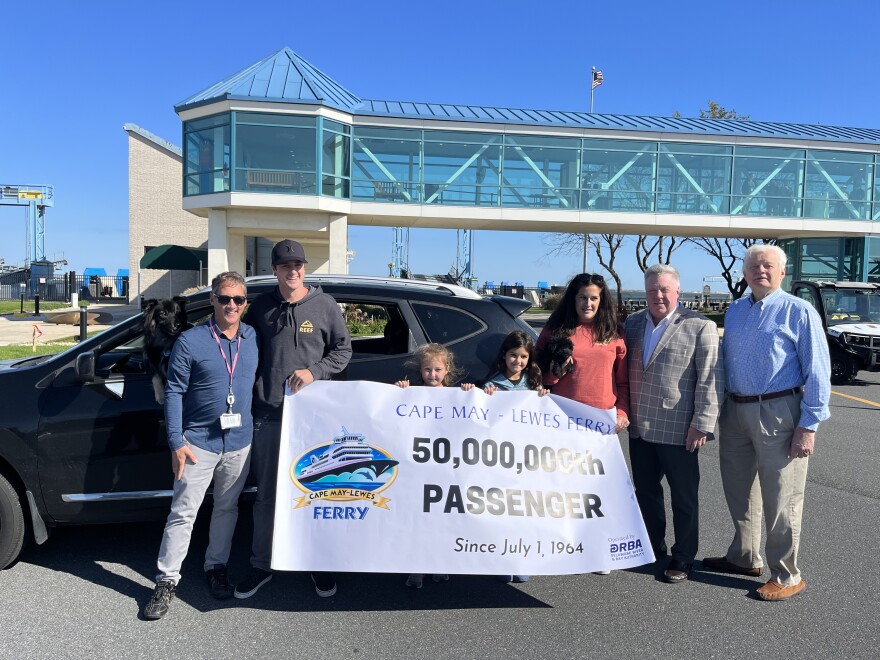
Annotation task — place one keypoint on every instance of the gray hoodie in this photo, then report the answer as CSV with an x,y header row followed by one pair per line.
x,y
308,334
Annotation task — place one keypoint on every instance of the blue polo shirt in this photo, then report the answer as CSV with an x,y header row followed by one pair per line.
x,y
198,384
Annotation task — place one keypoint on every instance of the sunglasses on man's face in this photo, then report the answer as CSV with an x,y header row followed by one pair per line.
x,y
238,300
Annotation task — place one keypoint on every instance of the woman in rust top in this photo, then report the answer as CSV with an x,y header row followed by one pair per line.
x,y
596,372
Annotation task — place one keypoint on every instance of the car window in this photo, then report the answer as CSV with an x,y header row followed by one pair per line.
x,y
376,329
444,325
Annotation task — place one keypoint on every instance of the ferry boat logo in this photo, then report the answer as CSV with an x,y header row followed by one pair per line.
x,y
347,469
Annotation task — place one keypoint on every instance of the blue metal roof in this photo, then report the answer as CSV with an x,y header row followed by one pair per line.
x,y
283,77
287,78
685,125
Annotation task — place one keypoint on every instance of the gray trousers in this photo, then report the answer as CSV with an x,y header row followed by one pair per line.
x,y
759,478
229,472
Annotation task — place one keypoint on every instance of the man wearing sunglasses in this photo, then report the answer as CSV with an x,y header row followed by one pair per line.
x,y
303,338
211,376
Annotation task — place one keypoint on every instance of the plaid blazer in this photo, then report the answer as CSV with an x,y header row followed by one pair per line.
x,y
683,383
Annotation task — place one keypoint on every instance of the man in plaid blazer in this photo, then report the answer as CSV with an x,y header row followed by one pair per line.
x,y
676,388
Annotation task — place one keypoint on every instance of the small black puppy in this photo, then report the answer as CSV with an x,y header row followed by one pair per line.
x,y
557,350
164,320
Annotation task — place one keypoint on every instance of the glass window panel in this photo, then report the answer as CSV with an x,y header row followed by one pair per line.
x,y
620,145
274,120
692,183
444,325
769,152
336,150
690,148
463,174
876,197
334,186
618,171
390,133
393,165
330,125
768,186
819,258
206,122
873,259
458,136
534,167
279,159
836,189
540,141
840,156
692,203
206,154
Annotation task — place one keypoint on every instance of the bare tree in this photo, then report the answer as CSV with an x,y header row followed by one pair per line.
x,y
728,252
605,245
664,246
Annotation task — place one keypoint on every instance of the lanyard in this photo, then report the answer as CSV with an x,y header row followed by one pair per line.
x,y
230,398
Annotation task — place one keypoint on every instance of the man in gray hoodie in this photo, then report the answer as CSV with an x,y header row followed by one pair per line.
x,y
303,338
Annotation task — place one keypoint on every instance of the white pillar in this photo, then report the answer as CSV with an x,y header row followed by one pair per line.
x,y
226,251
338,238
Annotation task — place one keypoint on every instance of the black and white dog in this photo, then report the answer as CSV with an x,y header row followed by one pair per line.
x,y
164,320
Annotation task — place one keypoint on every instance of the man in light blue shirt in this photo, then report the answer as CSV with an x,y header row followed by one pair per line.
x,y
778,375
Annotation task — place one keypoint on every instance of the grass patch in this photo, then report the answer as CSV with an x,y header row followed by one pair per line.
x,y
24,350
13,306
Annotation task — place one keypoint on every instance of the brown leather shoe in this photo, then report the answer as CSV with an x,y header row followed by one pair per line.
x,y
773,590
721,565
677,571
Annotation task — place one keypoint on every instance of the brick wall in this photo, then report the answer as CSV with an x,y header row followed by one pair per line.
x,y
155,176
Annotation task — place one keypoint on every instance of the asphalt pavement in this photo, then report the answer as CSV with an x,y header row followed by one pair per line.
x,y
80,594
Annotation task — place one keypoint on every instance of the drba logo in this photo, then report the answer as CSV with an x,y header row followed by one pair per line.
x,y
347,470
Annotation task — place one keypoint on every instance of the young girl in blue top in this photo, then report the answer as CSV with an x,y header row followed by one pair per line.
x,y
515,369
436,369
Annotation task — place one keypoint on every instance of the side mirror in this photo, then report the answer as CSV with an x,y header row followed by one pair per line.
x,y
85,366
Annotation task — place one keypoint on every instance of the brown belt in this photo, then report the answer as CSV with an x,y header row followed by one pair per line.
x,y
765,397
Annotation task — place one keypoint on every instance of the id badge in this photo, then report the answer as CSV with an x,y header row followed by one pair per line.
x,y
230,420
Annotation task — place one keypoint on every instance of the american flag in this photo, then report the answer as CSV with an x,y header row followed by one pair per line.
x,y
597,79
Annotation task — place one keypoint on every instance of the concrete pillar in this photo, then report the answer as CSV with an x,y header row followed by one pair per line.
x,y
218,243
226,251
337,226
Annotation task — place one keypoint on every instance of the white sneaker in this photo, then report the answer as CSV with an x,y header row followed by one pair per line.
x,y
601,572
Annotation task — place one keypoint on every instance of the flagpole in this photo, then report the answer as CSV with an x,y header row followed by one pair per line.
x,y
592,87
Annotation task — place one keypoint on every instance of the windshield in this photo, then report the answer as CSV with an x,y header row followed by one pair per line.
x,y
852,306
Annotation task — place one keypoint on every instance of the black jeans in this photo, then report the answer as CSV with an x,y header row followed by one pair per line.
x,y
650,463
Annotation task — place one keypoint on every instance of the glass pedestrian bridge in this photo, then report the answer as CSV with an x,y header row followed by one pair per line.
x,y
281,134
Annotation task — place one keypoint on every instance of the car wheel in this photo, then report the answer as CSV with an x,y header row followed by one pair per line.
x,y
11,524
843,369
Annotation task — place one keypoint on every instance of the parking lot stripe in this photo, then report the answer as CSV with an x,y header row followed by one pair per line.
x,y
855,398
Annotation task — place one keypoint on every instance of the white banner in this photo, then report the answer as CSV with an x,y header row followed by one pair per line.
x,y
375,478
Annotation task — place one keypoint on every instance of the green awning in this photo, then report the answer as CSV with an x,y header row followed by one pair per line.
x,y
175,257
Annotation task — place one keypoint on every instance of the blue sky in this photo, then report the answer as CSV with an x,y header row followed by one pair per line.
x,y
74,73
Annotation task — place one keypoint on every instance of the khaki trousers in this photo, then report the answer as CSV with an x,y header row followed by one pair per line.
x,y
759,477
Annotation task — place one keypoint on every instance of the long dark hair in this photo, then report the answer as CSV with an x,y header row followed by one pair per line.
x,y
518,339
564,318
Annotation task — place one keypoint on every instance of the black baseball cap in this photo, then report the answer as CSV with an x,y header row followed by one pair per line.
x,y
288,250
